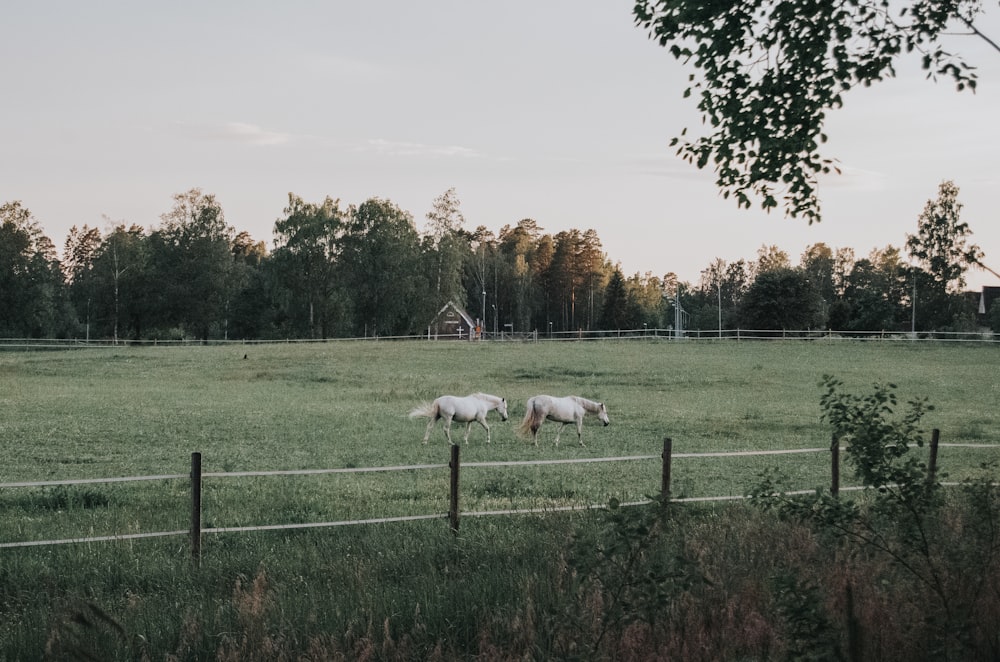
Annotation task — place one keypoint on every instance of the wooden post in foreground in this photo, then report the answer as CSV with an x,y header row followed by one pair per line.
x,y
835,467
932,462
668,446
196,508
453,507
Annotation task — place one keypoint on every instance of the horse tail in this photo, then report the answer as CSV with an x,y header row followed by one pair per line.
x,y
524,429
426,410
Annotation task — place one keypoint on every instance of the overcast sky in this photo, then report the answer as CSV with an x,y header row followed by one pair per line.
x,y
561,111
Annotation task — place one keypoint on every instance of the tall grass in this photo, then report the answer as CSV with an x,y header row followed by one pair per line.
x,y
504,588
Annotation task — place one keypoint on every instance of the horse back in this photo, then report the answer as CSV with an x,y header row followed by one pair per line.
x,y
467,408
566,409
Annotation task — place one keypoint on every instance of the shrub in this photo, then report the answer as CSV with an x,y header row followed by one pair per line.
x,y
937,556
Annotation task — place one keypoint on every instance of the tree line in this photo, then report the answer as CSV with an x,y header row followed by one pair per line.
x,y
364,270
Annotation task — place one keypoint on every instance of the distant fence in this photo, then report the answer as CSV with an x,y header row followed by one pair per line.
x,y
195,532
538,336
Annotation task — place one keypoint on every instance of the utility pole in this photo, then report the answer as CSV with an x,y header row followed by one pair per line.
x,y
720,308
678,315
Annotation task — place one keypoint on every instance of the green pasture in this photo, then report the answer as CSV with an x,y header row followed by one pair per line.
x,y
405,590
134,411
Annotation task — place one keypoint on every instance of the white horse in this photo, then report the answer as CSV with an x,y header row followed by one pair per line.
x,y
570,409
464,410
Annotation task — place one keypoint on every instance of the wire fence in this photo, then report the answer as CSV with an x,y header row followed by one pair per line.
x,y
649,334
195,532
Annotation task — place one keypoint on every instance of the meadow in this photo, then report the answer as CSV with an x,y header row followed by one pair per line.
x,y
386,590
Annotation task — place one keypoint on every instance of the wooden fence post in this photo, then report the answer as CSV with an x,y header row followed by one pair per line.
x,y
453,507
932,462
835,467
668,446
196,508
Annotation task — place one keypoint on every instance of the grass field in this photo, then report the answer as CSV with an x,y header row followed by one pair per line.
x,y
142,411
97,413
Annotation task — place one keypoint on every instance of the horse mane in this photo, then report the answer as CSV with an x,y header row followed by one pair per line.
x,y
590,405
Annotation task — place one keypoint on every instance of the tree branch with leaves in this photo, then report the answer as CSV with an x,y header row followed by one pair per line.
x,y
769,71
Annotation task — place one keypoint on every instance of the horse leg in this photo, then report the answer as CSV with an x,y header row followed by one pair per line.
x,y
559,432
447,429
482,421
430,426
579,430
468,425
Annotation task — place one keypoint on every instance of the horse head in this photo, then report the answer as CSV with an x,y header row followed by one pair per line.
x,y
502,409
602,414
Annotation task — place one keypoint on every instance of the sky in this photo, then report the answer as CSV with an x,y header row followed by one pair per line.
x,y
561,111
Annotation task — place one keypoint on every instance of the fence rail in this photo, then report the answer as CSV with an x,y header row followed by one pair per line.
x,y
196,531
657,334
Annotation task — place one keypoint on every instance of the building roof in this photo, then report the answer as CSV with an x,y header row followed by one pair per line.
x,y
987,298
464,315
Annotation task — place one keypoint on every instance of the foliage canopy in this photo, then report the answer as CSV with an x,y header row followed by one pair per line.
x,y
768,71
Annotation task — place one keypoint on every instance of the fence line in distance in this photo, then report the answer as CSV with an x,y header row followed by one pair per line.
x,y
502,463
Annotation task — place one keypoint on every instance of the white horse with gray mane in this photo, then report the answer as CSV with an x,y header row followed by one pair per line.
x,y
565,410
466,410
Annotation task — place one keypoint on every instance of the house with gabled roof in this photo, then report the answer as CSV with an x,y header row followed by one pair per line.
x,y
989,296
453,322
